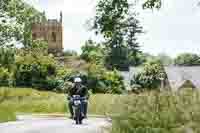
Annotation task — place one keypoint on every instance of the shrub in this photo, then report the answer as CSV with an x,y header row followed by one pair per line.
x,y
92,52
150,76
34,71
100,80
6,77
45,84
187,59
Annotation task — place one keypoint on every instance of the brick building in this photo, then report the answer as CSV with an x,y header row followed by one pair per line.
x,y
50,31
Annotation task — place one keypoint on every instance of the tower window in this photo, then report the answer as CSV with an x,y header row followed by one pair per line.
x,y
54,36
34,36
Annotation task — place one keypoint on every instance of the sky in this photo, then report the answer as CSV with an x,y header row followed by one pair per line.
x,y
172,30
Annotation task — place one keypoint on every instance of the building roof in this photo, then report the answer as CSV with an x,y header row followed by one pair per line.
x,y
177,76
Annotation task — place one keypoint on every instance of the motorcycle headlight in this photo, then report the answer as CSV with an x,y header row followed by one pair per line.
x,y
77,102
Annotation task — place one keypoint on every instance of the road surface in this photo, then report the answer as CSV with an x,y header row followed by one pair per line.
x,y
32,124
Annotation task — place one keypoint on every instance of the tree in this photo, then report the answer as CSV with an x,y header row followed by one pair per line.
x,y
187,59
150,4
92,52
109,15
16,18
70,53
117,58
165,59
119,27
133,28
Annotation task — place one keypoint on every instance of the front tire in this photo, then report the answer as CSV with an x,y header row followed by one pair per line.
x,y
78,116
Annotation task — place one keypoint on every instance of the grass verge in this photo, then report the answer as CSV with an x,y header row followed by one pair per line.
x,y
7,115
164,112
27,100
153,112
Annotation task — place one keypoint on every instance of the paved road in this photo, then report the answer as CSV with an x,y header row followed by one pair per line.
x,y
53,125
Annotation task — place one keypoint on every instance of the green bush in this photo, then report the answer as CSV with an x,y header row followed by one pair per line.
x,y
100,80
6,77
187,59
7,57
34,71
4,73
45,84
150,76
92,52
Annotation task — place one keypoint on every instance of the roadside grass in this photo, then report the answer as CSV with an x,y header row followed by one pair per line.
x,y
7,115
152,112
165,112
27,100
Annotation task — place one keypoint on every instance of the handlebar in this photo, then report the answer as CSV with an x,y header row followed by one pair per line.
x,y
77,98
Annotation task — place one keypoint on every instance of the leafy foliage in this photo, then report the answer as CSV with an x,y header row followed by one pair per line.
x,y
92,52
4,73
150,76
150,4
70,53
33,68
7,57
101,80
16,18
118,58
138,59
119,27
187,59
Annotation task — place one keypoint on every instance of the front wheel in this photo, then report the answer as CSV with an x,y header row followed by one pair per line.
x,y
78,117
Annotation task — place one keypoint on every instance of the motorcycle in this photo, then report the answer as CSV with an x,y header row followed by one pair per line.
x,y
78,108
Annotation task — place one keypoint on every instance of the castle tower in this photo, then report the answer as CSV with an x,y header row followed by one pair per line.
x,y
50,31
61,17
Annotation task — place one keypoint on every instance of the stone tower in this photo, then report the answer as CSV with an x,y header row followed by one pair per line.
x,y
50,31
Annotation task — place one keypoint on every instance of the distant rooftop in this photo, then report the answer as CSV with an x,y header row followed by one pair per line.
x,y
177,76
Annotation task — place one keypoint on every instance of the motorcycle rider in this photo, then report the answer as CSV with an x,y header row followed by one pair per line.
x,y
78,89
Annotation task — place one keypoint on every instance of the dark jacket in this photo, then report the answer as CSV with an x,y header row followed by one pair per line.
x,y
82,91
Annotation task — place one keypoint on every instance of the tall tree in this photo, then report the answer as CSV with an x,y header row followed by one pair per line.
x,y
133,29
119,27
